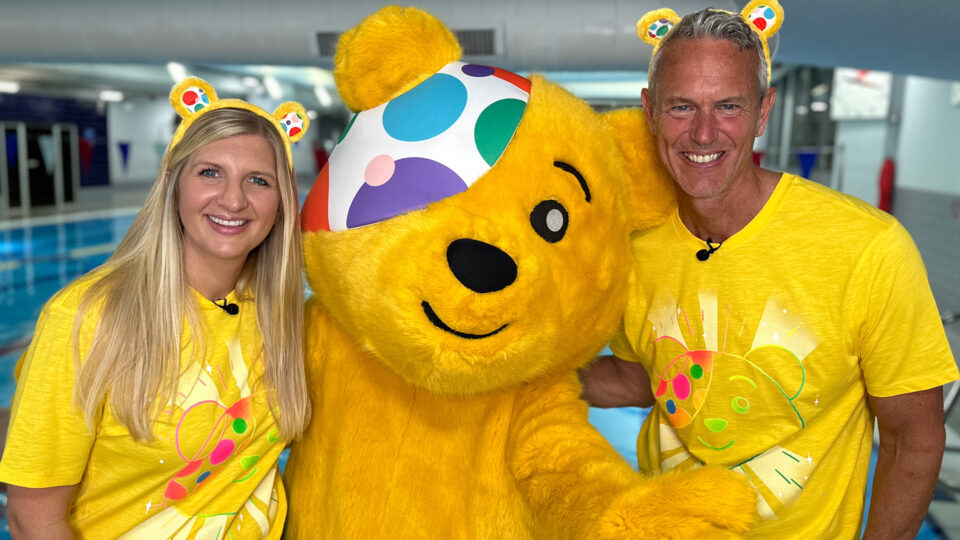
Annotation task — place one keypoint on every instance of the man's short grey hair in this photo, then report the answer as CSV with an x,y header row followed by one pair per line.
x,y
713,24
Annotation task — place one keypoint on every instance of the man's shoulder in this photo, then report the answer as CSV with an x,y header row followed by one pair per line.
x,y
653,236
826,205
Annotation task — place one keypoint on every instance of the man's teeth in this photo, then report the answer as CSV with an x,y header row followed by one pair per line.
x,y
226,222
703,158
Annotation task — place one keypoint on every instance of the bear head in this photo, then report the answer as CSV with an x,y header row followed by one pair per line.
x,y
471,228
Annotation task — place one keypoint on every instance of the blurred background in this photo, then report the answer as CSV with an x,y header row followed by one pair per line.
x,y
868,103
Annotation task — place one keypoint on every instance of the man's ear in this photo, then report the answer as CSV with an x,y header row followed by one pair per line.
x,y
647,99
651,189
766,105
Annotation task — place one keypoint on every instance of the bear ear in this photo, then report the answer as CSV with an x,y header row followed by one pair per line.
x,y
390,52
655,24
191,95
293,119
651,191
765,16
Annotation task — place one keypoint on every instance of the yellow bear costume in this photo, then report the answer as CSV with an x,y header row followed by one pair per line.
x,y
443,337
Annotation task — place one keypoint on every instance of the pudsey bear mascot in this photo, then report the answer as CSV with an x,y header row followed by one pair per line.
x,y
467,244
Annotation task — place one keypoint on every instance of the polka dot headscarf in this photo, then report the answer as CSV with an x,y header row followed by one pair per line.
x,y
428,143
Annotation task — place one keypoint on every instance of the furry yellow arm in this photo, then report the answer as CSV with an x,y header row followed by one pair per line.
x,y
566,470
579,487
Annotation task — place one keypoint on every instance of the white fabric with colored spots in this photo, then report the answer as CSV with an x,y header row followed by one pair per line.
x,y
429,143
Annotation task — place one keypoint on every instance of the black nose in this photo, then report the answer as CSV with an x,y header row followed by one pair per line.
x,y
479,266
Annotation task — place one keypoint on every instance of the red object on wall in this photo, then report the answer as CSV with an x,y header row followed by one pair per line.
x,y
886,186
320,155
757,156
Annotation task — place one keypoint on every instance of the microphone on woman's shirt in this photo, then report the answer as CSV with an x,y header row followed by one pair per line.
x,y
229,307
704,254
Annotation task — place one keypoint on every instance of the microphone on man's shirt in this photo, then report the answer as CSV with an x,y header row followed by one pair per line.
x,y
229,307
704,254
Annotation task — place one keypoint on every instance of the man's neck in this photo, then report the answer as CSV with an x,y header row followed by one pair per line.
x,y
720,217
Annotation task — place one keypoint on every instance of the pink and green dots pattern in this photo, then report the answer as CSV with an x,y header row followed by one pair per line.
x,y
228,436
425,145
682,386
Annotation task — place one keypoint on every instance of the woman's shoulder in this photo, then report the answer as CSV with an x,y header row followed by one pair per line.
x,y
71,296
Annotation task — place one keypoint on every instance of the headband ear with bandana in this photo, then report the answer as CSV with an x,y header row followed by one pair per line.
x,y
193,97
764,16
424,145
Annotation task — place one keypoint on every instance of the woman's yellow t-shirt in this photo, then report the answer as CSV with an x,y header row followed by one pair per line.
x,y
211,468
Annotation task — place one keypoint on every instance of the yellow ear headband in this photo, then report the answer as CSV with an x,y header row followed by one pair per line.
x,y
193,97
763,16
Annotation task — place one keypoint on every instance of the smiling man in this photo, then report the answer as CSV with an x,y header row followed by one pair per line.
x,y
770,319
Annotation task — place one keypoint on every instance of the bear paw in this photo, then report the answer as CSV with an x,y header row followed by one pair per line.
x,y
706,502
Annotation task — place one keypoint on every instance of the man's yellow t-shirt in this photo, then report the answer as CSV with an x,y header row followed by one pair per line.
x,y
211,469
761,357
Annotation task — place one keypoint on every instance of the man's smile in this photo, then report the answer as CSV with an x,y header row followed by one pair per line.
x,y
703,158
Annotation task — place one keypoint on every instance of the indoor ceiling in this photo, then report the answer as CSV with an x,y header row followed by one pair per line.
x,y
127,43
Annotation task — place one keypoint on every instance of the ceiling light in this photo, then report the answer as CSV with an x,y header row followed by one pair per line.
x,y
251,82
111,95
177,71
818,106
9,87
801,110
323,95
273,87
312,114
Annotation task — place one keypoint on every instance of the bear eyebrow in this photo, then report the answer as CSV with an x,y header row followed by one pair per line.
x,y
572,170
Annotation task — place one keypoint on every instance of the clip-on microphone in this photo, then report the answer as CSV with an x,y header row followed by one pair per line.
x,y
230,308
704,254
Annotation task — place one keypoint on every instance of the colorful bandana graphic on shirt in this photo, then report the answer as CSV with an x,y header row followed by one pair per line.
x,y
206,452
429,143
715,393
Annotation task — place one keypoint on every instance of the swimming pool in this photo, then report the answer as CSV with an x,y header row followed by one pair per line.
x,y
37,260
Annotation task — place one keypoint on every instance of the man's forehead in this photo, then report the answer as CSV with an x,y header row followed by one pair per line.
x,y
703,49
693,66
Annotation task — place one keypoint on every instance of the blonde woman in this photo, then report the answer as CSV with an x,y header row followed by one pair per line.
x,y
159,389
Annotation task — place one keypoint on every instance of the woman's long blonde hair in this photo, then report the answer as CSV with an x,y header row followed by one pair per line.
x,y
134,358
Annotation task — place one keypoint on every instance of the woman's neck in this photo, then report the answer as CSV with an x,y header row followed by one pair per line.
x,y
217,283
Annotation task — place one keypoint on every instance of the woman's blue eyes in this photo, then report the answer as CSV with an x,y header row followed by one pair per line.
x,y
214,173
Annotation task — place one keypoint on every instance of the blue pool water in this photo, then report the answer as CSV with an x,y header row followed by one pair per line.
x,y
37,261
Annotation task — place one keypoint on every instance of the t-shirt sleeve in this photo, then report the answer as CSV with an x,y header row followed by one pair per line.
x,y
48,442
621,347
902,344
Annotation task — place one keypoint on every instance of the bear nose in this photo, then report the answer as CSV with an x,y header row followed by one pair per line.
x,y
480,266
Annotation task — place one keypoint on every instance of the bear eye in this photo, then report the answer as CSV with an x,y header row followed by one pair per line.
x,y
549,219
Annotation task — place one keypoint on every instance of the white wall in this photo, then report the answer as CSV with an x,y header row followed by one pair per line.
x,y
929,138
148,124
862,143
303,161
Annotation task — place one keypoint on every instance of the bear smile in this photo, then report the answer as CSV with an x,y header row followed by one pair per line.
x,y
443,326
